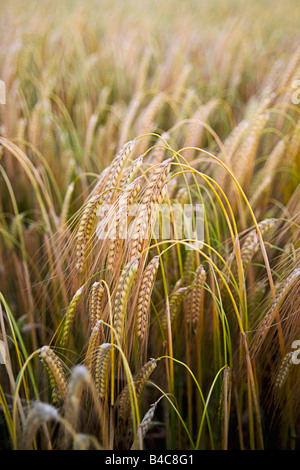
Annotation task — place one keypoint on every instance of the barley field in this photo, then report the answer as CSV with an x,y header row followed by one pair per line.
x,y
114,336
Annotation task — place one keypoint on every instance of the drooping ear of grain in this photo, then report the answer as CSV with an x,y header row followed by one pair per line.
x,y
251,244
40,414
55,365
283,289
146,421
123,401
80,378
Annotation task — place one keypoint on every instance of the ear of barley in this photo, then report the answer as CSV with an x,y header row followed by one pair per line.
x,y
175,305
123,401
95,303
121,298
262,185
141,228
79,379
120,224
69,316
244,158
94,342
66,204
250,245
40,414
188,268
146,121
145,424
102,362
101,183
131,112
182,196
144,299
284,370
157,153
55,394
55,365
115,170
132,171
197,296
196,130
85,229
20,134
284,288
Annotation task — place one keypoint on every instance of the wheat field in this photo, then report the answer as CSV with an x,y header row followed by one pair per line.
x,y
113,336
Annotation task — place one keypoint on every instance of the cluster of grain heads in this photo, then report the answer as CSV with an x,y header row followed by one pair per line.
x,y
121,297
55,365
123,401
85,229
40,414
69,316
101,368
144,298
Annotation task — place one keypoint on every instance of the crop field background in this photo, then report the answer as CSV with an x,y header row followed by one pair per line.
x,y
112,336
